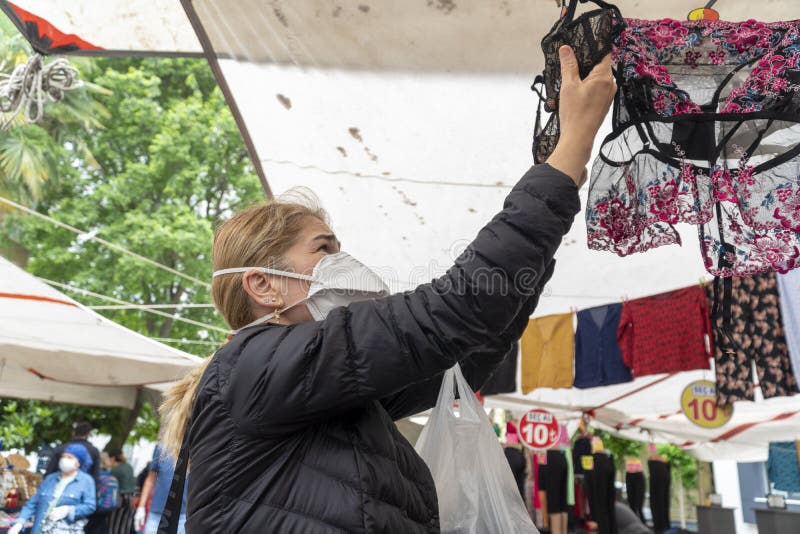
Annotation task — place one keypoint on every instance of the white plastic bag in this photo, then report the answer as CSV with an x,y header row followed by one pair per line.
x,y
476,489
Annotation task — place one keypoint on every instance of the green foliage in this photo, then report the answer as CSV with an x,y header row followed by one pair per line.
x,y
32,155
681,462
27,424
149,157
621,448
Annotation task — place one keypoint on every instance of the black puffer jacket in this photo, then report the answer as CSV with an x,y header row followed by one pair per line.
x,y
292,426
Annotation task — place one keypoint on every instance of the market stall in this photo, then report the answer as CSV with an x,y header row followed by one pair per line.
x,y
53,348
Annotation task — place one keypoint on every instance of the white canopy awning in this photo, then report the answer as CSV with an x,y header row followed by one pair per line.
x,y
411,121
649,409
53,348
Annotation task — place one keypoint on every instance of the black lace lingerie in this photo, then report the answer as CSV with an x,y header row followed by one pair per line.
x,y
706,131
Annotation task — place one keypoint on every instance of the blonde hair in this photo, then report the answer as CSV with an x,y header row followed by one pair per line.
x,y
257,236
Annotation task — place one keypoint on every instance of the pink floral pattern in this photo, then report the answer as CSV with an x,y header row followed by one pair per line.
x,y
749,216
788,209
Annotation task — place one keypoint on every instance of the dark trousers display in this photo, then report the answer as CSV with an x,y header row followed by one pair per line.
x,y
634,485
659,494
600,490
556,484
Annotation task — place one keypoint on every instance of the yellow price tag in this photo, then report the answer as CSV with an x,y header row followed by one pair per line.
x,y
699,404
587,462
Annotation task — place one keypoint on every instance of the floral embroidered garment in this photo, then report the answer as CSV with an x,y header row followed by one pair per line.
x,y
706,131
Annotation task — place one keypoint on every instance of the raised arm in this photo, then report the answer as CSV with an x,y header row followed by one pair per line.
x,y
287,378
477,369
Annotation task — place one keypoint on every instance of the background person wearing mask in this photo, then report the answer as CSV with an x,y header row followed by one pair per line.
x,y
80,435
157,485
290,423
65,499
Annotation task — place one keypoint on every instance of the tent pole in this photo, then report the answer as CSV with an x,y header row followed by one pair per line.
x,y
211,57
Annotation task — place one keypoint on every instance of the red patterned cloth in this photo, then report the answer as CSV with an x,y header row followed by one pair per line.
x,y
666,333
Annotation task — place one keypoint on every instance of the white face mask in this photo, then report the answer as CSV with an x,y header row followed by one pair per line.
x,y
67,465
337,280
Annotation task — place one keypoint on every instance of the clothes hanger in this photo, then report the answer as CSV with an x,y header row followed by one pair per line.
x,y
704,13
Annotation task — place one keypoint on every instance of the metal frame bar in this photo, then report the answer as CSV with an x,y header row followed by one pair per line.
x,y
213,62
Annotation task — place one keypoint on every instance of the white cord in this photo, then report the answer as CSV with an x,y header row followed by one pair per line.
x,y
118,301
29,86
102,241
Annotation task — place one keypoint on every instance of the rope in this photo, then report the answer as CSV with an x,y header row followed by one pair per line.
x,y
102,241
118,301
29,86
148,306
189,341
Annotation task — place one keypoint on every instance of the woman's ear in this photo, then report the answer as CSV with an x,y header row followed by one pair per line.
x,y
261,290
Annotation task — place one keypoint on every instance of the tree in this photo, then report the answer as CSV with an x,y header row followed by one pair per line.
x,y
621,448
33,154
166,168
682,463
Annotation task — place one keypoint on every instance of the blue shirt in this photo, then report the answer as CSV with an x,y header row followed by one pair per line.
x,y
598,359
782,466
164,466
79,494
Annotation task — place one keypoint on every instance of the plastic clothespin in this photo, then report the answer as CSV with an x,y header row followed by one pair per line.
x,y
704,13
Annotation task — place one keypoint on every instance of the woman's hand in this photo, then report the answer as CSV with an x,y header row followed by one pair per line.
x,y
582,106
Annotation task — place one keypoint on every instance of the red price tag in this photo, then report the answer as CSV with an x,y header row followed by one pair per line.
x,y
538,429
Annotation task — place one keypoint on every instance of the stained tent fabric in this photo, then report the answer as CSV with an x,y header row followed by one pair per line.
x,y
52,348
412,121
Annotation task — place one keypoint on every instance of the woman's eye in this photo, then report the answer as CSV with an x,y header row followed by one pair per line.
x,y
323,247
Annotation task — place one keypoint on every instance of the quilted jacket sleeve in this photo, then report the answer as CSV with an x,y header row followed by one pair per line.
x,y
370,350
477,369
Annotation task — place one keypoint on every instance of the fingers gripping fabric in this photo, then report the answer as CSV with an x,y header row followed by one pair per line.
x,y
591,36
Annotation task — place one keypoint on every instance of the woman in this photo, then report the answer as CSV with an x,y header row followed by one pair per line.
x,y
64,499
121,519
289,425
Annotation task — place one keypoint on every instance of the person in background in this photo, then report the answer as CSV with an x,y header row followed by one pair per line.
x,y
80,435
157,485
98,522
515,457
121,519
627,520
65,499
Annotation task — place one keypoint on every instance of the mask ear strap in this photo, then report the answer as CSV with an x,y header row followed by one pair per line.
x,y
265,270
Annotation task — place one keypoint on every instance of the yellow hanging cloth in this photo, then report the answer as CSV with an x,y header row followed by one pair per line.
x,y
548,352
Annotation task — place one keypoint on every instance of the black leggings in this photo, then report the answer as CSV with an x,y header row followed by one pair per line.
x,y
600,489
634,485
659,494
556,482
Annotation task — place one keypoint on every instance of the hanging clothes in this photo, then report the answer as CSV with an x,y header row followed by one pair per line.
x,y
598,359
556,482
701,135
582,447
548,348
660,480
755,335
634,487
789,293
516,461
504,378
542,482
535,481
665,333
782,466
599,483
570,478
